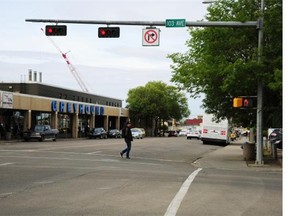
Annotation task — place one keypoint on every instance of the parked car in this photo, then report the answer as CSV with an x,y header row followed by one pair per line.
x,y
98,133
114,133
194,134
136,133
172,133
143,131
276,138
232,136
41,132
183,133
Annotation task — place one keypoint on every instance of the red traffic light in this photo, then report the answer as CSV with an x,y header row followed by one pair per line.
x,y
56,30
108,32
102,32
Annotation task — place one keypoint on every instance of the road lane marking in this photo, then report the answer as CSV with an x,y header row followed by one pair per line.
x,y
18,150
96,152
176,202
3,195
84,159
6,164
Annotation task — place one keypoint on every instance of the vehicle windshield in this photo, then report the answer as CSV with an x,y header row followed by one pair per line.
x,y
39,128
97,129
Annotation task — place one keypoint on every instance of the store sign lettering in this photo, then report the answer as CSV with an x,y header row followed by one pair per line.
x,y
63,107
69,108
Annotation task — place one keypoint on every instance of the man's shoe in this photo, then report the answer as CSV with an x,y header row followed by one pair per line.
x,y
128,158
121,154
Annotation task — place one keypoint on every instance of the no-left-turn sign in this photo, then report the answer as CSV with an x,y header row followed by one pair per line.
x,y
150,37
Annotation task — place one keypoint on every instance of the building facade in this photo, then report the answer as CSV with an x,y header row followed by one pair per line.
x,y
24,105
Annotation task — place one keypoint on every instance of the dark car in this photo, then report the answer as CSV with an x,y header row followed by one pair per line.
x,y
41,132
114,133
172,133
98,133
276,138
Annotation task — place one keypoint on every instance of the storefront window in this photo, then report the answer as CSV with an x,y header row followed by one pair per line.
x,y
43,119
64,125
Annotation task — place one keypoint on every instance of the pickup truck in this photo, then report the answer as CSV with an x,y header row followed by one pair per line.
x,y
41,132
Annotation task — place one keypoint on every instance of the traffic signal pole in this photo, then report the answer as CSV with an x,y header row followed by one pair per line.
x,y
258,24
259,141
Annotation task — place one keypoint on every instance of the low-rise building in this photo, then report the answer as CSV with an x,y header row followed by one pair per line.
x,y
24,105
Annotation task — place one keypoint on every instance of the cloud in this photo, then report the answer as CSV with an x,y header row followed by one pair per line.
x,y
109,67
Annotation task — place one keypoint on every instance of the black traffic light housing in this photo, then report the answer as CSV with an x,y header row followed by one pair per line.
x,y
244,102
108,32
55,30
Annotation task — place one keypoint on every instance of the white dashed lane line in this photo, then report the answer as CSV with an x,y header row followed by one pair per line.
x,y
6,164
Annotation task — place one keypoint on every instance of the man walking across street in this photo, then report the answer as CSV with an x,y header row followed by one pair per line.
x,y
128,140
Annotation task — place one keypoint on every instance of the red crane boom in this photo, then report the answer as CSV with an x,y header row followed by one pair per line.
x,y
70,66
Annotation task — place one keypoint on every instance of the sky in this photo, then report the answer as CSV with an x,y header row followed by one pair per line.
x,y
108,66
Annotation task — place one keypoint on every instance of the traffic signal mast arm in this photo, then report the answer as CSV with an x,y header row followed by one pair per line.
x,y
70,66
154,23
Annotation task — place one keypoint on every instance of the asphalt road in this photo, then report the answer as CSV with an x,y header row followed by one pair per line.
x,y
88,177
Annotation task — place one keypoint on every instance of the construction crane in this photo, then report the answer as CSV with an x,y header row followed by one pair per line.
x,y
70,66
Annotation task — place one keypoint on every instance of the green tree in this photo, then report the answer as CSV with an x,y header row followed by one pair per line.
x,y
222,62
157,101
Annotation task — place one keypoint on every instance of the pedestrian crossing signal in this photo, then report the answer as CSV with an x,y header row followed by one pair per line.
x,y
247,102
237,102
242,102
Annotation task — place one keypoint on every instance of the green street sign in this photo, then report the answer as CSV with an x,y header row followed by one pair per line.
x,y
175,23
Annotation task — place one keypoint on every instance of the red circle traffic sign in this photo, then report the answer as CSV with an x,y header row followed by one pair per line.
x,y
151,36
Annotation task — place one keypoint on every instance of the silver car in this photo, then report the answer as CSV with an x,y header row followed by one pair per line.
x,y
136,133
194,134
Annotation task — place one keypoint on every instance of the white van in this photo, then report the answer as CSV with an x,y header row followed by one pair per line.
x,y
214,132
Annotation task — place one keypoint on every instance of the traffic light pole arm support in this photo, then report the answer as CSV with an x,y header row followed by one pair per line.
x,y
150,23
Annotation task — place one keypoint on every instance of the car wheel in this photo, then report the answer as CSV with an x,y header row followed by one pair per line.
x,y
42,138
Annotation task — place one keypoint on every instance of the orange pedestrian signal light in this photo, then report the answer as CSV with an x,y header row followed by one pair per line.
x,y
237,102
108,32
55,30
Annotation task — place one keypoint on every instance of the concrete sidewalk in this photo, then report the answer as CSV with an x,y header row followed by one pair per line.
x,y
231,157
